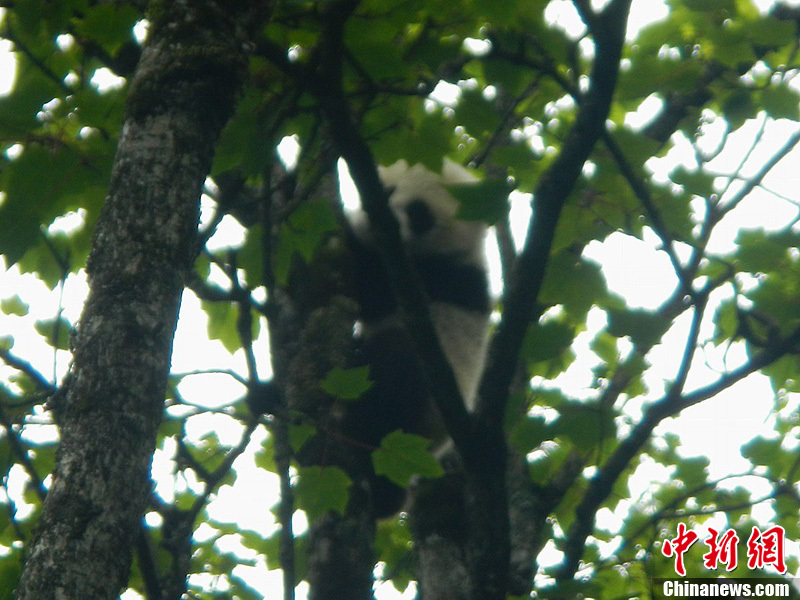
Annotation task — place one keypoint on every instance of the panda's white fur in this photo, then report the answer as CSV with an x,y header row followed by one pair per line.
x,y
463,240
448,254
450,250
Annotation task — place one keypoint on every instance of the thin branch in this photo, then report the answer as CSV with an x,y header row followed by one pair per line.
x,y
327,88
669,510
587,14
244,320
21,453
280,431
763,359
642,193
756,140
519,303
63,263
28,369
505,245
691,346
229,372
213,478
754,181
11,509
147,565
508,120
8,34
671,404
280,425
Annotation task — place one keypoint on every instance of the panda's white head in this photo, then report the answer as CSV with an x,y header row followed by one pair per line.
x,y
426,211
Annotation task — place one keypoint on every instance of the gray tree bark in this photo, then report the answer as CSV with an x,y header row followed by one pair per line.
x,y
181,95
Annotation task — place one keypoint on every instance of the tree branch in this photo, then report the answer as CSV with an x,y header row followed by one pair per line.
x,y
756,179
519,302
21,454
28,369
600,486
326,85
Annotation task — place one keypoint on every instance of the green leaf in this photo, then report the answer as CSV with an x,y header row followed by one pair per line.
x,y
605,347
737,106
573,282
770,32
695,182
649,72
710,5
476,113
101,110
519,161
529,433
347,384
299,434
645,328
241,144
322,489
376,49
547,340
14,306
31,90
6,459
109,25
783,374
392,541
726,320
40,185
420,136
222,317
585,425
781,102
251,256
485,201
763,452
44,458
692,472
776,297
10,571
55,331
403,455
303,233
762,252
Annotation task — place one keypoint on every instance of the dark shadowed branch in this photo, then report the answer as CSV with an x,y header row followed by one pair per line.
x,y
519,302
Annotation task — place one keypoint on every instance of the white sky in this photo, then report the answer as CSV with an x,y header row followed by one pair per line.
x,y
633,269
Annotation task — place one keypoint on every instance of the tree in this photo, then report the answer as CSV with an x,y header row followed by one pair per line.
x,y
205,107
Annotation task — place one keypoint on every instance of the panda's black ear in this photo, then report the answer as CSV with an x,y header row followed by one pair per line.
x,y
420,218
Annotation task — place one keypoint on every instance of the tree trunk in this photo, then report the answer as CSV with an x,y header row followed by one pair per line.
x,y
181,95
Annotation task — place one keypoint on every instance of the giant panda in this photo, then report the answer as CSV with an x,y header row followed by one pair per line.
x,y
448,253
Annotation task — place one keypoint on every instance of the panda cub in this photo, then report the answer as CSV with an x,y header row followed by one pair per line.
x,y
448,254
